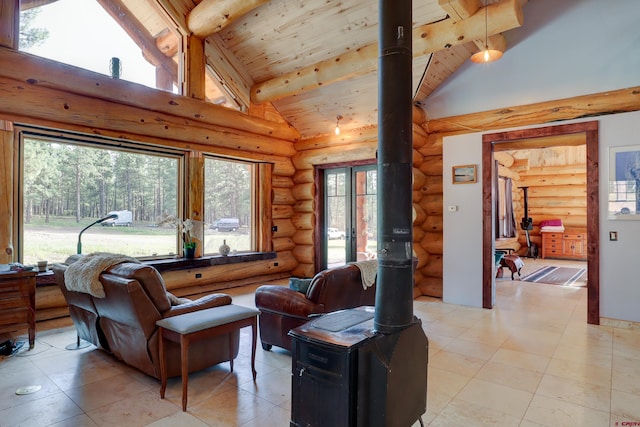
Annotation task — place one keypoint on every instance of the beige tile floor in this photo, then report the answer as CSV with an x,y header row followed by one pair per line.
x,y
531,361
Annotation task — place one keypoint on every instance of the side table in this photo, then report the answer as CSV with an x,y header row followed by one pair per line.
x,y
200,325
18,302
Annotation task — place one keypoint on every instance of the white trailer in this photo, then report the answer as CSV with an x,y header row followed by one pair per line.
x,y
124,219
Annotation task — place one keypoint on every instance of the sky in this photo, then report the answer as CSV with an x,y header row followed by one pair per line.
x,y
81,33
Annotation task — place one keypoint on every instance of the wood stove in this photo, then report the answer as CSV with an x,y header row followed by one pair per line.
x,y
346,374
366,366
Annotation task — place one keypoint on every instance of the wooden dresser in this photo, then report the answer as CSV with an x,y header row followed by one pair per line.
x,y
18,302
566,244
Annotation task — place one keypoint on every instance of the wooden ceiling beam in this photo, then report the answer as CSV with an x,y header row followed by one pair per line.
x,y
30,4
617,101
459,10
10,23
147,43
427,39
211,16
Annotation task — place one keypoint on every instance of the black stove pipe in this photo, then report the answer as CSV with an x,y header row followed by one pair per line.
x,y
394,295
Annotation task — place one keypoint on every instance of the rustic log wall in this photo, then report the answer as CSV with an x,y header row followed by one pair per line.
x,y
555,192
44,95
427,206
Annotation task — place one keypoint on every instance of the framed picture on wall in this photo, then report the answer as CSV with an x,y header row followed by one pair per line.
x,y
624,183
465,174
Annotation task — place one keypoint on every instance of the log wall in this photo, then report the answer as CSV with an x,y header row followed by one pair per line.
x,y
44,96
555,192
427,206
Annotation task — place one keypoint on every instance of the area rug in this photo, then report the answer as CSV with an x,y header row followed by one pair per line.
x,y
564,276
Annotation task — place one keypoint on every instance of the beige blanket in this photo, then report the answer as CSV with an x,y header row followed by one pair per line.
x,y
84,274
368,272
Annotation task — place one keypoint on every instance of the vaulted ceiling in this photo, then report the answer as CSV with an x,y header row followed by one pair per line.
x,y
308,61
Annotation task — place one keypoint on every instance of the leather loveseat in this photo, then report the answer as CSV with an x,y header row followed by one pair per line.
x,y
124,322
283,309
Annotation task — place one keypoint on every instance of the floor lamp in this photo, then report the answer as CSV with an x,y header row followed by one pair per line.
x,y
79,342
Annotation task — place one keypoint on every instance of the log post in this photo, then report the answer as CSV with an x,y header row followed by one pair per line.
x,y
194,208
6,197
10,23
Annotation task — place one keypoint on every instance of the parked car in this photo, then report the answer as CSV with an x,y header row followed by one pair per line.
x,y
124,219
334,233
226,224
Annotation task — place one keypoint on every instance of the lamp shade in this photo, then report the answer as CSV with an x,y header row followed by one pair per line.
x,y
486,55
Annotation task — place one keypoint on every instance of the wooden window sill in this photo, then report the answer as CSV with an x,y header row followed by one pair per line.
x,y
47,278
208,261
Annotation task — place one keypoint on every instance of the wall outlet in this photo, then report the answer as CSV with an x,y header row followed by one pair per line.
x,y
452,208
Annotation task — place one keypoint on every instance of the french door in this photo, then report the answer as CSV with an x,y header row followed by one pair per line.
x,y
350,215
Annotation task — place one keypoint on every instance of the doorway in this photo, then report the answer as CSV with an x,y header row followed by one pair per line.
x,y
349,215
538,136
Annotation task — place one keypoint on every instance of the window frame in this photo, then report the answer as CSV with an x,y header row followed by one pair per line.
x,y
254,217
22,132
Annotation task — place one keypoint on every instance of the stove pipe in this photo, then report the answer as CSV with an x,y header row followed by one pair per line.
x,y
394,295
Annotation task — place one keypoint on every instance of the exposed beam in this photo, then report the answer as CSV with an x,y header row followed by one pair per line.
x,y
140,36
9,23
193,80
227,69
459,10
618,101
33,70
175,11
30,4
427,38
211,16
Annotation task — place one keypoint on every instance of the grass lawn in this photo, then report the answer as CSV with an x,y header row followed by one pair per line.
x,y
56,240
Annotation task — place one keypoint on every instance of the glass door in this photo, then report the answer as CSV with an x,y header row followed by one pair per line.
x,y
350,214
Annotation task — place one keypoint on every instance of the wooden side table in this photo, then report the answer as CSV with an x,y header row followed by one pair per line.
x,y
200,325
18,302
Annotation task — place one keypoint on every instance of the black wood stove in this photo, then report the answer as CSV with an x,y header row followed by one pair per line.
x,y
368,366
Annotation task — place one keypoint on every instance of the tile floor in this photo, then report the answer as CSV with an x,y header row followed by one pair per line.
x,y
531,361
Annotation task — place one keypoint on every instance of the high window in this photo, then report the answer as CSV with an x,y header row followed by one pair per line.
x,y
82,33
68,182
128,40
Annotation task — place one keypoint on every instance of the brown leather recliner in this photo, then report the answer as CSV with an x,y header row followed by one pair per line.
x,y
282,309
124,322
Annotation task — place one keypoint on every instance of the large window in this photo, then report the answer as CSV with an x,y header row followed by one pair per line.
x,y
228,200
68,182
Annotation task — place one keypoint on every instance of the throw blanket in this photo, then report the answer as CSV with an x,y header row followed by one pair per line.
x,y
368,272
84,274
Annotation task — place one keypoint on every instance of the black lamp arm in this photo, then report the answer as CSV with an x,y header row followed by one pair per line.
x,y
79,248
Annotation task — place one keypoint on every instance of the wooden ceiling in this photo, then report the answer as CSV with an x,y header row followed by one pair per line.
x,y
312,60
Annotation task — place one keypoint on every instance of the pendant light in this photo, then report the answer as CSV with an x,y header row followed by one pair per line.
x,y
486,55
337,130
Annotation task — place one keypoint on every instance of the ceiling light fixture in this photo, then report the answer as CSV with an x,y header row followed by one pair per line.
x,y
486,55
338,118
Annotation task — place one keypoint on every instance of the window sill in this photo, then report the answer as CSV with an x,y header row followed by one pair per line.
x,y
47,278
208,261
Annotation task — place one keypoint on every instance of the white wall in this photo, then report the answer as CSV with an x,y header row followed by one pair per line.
x,y
619,261
565,48
462,242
